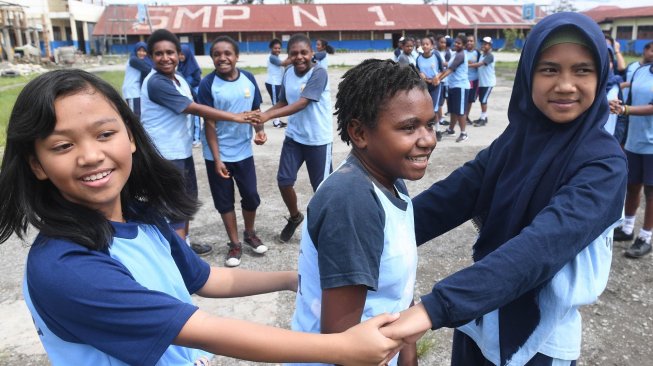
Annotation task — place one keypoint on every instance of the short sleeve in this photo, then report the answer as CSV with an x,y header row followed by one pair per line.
x,y
488,59
204,95
349,247
86,296
458,59
275,60
316,84
162,92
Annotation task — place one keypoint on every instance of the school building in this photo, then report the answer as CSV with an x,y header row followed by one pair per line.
x,y
345,26
632,27
48,24
92,26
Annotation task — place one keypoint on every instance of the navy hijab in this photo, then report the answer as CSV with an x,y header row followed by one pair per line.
x,y
532,159
189,68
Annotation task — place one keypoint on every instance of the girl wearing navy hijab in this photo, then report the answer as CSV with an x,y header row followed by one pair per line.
x,y
545,197
138,66
192,73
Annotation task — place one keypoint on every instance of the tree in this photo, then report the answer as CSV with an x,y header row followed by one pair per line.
x,y
559,6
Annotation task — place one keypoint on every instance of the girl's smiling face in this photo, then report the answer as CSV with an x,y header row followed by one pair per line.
x,y
300,54
88,155
165,57
401,143
564,82
224,59
141,53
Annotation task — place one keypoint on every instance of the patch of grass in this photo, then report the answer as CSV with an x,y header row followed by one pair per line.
x,y
7,101
18,80
425,345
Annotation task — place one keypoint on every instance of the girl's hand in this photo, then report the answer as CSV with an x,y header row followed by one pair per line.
x,y
260,138
615,106
411,326
221,169
435,81
364,344
242,117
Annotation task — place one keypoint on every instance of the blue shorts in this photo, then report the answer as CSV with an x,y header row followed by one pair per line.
x,y
274,91
640,168
484,94
473,91
457,102
135,105
444,90
222,189
435,97
294,154
187,169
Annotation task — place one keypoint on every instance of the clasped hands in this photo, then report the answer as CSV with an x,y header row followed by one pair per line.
x,y
255,118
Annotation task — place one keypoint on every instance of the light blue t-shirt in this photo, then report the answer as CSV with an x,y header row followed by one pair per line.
x,y
275,70
458,78
339,249
313,125
162,104
430,66
473,56
486,74
558,334
630,70
121,307
322,58
640,128
611,123
131,85
240,95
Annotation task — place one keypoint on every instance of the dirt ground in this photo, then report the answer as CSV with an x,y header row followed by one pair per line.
x,y
617,329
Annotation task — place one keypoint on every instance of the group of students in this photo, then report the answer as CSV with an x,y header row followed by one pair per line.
x,y
631,102
458,77
108,281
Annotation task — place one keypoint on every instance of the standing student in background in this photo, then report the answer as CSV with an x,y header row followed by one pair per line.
x,y
166,103
429,66
276,68
306,98
408,54
350,268
639,150
138,66
456,73
324,49
445,56
545,197
228,153
107,281
192,73
487,78
473,57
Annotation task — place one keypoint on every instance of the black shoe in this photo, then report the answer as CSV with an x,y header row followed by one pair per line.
x,y
438,135
619,235
444,122
291,226
480,122
201,249
639,248
449,132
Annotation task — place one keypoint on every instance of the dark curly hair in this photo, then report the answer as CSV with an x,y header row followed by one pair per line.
x,y
365,88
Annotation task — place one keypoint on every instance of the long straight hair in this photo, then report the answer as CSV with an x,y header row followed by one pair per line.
x,y
153,192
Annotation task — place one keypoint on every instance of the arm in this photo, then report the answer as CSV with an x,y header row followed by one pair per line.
x,y
360,345
342,308
282,109
140,65
214,146
207,112
617,107
621,63
230,282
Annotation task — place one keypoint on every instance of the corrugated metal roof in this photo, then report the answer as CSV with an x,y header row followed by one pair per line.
x,y
602,14
117,19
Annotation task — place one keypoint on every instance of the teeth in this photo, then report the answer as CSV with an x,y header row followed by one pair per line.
x,y
95,177
418,159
